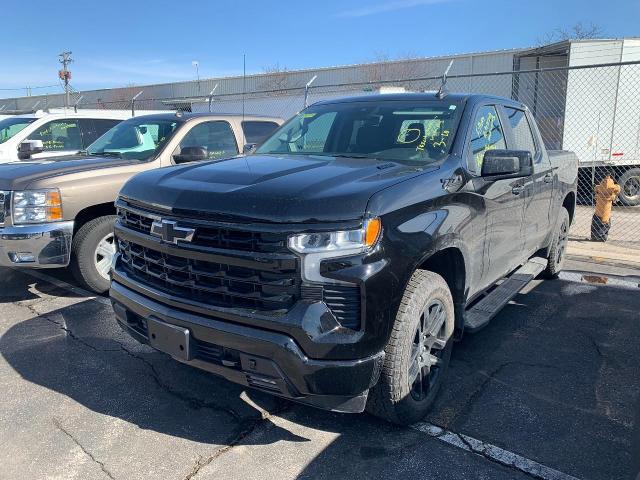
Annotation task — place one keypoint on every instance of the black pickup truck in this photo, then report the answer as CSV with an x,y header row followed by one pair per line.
x,y
337,264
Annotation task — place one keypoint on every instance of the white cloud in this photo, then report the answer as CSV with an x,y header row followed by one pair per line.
x,y
387,7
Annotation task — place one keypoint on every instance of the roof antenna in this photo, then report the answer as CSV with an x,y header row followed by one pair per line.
x,y
211,96
442,91
244,81
75,105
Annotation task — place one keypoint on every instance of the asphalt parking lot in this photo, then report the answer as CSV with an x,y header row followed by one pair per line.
x,y
550,389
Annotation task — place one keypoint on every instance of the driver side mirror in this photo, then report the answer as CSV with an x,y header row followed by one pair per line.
x,y
191,154
499,164
249,148
30,147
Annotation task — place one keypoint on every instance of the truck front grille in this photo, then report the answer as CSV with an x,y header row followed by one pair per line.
x,y
4,205
212,283
212,236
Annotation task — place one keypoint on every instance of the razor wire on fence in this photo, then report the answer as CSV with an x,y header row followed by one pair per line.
x,y
593,110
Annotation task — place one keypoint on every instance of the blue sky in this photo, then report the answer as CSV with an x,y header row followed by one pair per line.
x,y
118,43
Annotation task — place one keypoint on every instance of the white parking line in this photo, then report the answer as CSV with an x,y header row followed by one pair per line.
x,y
491,452
62,284
461,441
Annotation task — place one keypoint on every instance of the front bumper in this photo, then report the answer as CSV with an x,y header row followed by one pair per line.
x,y
254,357
46,245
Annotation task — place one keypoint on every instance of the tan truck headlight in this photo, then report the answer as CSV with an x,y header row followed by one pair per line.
x,y
36,206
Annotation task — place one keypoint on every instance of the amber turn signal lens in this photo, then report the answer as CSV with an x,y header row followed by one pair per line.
x,y
373,227
53,198
54,206
54,213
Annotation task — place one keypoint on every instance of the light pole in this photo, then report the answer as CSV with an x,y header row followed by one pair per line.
x,y
196,65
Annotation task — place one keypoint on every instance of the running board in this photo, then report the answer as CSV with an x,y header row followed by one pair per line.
x,y
479,315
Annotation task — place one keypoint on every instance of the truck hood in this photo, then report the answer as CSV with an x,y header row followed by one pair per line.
x,y
269,188
20,175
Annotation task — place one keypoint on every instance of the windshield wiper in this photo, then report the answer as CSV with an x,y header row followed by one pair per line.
x,y
107,154
351,155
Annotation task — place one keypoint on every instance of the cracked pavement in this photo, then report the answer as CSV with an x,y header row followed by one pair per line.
x,y
554,378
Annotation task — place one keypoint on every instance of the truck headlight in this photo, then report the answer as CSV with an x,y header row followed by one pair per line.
x,y
315,247
36,206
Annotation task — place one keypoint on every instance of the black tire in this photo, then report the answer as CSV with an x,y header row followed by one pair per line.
x,y
395,398
629,183
83,253
558,249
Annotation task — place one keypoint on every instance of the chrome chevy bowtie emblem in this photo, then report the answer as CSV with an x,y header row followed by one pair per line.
x,y
170,232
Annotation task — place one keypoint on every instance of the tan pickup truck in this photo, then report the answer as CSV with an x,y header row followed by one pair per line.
x,y
59,212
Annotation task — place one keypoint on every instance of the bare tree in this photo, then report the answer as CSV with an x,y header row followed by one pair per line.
x,y
575,32
386,67
276,77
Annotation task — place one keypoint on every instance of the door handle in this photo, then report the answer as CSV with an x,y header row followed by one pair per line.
x,y
548,178
517,189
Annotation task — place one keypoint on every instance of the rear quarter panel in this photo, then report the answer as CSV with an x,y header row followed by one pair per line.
x,y
565,163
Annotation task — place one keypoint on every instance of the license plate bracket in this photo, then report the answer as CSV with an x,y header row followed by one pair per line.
x,y
171,339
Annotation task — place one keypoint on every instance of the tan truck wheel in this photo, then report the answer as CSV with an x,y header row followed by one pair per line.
x,y
92,251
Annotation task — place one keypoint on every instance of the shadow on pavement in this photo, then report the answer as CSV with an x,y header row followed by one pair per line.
x,y
555,377
78,351
15,287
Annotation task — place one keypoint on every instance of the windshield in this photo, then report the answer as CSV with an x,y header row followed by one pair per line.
x,y
10,126
136,138
403,131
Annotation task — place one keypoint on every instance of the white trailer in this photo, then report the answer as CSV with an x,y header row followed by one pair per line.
x,y
593,111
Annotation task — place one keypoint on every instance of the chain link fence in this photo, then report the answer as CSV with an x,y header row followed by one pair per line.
x,y
593,110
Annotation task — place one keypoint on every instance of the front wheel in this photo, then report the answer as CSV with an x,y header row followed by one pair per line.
x,y
418,352
92,252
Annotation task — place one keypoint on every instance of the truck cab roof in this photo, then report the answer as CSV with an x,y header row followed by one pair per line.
x,y
424,96
187,116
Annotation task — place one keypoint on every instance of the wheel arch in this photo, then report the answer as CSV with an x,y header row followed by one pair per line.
x,y
94,211
569,203
449,262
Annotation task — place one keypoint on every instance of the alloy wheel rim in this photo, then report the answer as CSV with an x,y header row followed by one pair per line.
x,y
427,350
103,256
563,237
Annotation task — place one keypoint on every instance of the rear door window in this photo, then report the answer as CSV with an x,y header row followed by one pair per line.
x,y
216,137
59,135
94,128
522,135
486,134
257,131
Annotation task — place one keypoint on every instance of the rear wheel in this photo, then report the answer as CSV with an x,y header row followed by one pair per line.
x,y
558,248
92,252
418,353
629,183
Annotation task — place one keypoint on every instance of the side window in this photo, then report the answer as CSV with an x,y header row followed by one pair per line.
x,y
59,135
101,126
216,137
258,132
486,134
94,128
522,135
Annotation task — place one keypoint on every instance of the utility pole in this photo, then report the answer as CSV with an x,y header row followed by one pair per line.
x,y
65,75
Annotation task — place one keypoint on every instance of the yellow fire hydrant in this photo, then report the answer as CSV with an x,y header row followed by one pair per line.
x,y
606,192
